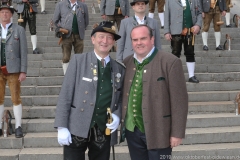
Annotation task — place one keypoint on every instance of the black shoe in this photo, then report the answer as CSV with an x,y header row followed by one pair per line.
x,y
162,27
205,48
193,80
44,12
18,132
228,26
219,48
1,132
36,51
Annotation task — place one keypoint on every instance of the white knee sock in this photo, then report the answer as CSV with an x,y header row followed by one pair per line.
x,y
218,38
161,17
42,3
1,114
17,110
151,15
227,18
205,38
34,41
191,68
64,66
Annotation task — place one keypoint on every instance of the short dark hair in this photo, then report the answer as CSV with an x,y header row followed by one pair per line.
x,y
150,32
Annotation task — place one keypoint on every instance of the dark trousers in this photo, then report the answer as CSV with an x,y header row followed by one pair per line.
x,y
176,44
97,150
30,18
137,146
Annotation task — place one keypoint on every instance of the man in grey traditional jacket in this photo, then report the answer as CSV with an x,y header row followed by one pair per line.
x,y
93,83
183,20
124,45
13,62
72,16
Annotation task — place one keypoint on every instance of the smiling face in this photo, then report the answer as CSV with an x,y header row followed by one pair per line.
x,y
102,42
5,15
139,7
142,42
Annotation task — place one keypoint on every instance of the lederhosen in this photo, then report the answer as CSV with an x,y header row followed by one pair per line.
x,y
213,14
179,40
160,5
97,142
227,4
117,16
29,17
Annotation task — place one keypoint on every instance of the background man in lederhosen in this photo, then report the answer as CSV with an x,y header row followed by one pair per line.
x,y
125,48
114,10
92,83
27,10
228,5
183,20
72,16
212,10
13,62
160,6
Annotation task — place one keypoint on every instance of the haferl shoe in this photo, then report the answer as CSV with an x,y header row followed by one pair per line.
x,y
219,48
205,48
36,51
0,132
44,12
18,132
193,80
228,26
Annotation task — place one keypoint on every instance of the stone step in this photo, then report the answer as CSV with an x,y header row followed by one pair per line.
x,y
191,87
51,100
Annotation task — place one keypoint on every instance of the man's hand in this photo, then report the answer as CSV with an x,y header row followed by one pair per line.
x,y
126,16
104,17
196,29
115,123
22,77
223,13
168,36
64,136
174,142
203,15
24,0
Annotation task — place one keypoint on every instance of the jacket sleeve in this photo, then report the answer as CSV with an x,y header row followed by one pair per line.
x,y
102,7
199,15
157,36
66,95
121,41
23,49
178,99
86,15
57,15
167,18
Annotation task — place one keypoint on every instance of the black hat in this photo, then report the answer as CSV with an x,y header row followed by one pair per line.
x,y
105,26
8,7
135,1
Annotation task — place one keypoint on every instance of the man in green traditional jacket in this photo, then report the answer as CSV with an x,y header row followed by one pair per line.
x,y
155,100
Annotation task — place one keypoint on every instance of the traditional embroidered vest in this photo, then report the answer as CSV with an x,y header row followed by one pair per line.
x,y
134,113
187,16
75,25
104,96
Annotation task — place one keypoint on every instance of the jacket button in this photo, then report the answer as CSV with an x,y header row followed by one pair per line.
x,y
86,92
91,104
82,109
122,120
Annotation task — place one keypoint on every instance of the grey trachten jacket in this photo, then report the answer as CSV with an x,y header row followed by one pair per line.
x,y
77,97
16,50
107,7
63,17
20,5
205,4
173,16
124,44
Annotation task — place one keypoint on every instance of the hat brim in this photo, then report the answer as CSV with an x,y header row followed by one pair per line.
x,y
133,3
7,7
116,36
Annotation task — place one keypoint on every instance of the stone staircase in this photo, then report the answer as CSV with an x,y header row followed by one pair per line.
x,y
213,129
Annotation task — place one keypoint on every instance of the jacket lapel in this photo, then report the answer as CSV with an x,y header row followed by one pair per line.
x,y
94,69
9,33
179,2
